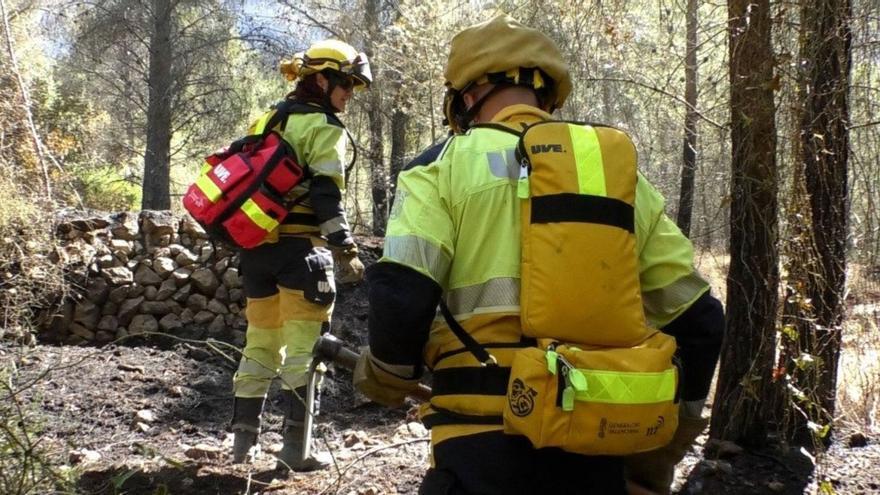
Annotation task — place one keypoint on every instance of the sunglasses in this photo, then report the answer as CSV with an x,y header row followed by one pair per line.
x,y
342,81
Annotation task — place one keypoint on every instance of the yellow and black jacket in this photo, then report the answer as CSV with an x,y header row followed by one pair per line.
x,y
455,231
319,139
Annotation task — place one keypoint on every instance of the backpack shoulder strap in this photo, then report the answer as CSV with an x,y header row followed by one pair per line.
x,y
286,108
474,347
498,127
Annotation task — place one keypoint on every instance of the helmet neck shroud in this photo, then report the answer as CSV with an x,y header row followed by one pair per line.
x,y
463,115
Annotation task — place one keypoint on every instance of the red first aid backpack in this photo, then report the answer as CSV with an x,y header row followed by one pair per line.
x,y
239,195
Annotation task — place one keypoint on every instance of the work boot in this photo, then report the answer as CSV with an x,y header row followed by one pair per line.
x,y
245,426
291,456
294,436
242,443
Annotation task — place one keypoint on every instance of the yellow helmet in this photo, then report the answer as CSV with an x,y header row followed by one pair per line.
x,y
502,50
332,55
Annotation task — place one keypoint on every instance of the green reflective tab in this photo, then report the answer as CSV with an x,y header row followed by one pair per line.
x,y
578,380
522,188
568,399
208,188
258,216
522,185
260,124
551,361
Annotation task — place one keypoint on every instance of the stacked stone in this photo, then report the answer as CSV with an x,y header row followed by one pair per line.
x,y
143,273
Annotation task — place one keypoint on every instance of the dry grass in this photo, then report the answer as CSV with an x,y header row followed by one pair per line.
x,y
858,391
29,279
712,266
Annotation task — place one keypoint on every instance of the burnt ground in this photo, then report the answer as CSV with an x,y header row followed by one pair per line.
x,y
151,417
90,400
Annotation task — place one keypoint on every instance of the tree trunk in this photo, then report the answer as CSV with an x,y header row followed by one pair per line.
x,y
157,156
689,152
378,176
752,280
26,102
826,58
399,122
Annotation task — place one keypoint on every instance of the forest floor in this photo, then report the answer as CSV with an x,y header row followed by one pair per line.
x,y
152,418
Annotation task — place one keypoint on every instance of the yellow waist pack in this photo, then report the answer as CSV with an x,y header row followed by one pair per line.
x,y
594,401
601,381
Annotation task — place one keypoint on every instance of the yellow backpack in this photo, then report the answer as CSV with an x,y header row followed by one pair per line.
x,y
600,381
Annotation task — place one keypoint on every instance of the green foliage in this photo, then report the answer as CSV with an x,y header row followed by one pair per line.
x,y
105,188
188,89
252,90
29,280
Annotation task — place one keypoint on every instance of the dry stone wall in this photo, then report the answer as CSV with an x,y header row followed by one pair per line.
x,y
142,273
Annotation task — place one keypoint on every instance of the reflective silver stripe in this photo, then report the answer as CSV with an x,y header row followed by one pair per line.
x,y
664,304
335,224
503,164
296,364
329,167
253,368
420,254
497,293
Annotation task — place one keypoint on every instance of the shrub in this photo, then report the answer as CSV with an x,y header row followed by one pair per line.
x,y
29,281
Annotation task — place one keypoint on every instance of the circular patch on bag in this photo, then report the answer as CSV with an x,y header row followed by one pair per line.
x,y
521,398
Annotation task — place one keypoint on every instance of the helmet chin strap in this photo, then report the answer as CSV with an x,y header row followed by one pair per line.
x,y
465,119
327,102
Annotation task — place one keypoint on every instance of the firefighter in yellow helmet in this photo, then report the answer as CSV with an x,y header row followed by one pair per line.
x,y
289,282
454,234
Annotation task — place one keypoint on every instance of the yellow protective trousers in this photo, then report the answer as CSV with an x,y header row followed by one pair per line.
x,y
290,297
282,329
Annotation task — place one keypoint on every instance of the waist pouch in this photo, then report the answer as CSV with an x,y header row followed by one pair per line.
x,y
598,401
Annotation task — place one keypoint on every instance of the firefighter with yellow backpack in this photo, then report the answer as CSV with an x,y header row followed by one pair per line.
x,y
289,278
554,266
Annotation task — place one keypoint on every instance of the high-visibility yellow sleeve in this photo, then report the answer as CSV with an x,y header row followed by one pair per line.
x,y
668,279
321,145
420,231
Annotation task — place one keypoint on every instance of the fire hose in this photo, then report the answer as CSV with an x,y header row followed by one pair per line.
x,y
330,349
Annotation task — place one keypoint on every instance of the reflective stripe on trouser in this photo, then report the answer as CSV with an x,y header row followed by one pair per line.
x,y
260,358
284,349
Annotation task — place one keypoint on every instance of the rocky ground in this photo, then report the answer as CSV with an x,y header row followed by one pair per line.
x,y
151,417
